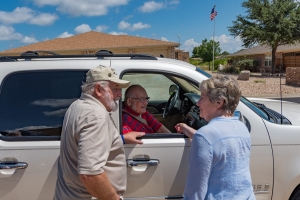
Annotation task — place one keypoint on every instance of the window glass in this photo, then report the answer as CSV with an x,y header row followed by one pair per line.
x,y
31,101
268,60
156,85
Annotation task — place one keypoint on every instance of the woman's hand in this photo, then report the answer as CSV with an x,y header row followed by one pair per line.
x,y
185,129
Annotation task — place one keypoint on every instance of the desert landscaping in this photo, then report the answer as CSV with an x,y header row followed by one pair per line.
x,y
265,86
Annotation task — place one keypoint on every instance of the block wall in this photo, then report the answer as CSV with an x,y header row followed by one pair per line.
x,y
293,76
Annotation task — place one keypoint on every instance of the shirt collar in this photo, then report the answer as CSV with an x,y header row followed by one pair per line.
x,y
90,98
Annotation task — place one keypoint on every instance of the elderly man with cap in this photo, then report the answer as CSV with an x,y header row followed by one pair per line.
x,y
92,160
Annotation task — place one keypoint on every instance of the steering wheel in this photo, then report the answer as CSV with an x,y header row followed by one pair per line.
x,y
170,105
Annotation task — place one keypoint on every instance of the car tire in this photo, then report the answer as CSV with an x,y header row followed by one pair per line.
x,y
295,194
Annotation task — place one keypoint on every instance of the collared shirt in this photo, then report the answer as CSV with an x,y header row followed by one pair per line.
x,y
91,145
219,162
129,123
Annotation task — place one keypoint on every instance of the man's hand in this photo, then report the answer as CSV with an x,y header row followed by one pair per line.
x,y
130,138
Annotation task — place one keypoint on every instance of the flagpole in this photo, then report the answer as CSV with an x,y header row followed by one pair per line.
x,y
213,64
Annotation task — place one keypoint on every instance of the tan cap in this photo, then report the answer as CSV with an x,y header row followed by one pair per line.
x,y
102,73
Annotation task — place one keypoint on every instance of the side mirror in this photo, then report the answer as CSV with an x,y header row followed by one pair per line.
x,y
239,115
172,89
242,119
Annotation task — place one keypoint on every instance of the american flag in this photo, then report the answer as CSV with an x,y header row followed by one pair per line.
x,y
213,13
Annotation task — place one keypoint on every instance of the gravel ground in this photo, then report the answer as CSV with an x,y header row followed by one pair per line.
x,y
265,86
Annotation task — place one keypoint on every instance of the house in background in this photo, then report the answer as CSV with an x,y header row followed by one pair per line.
x,y
91,42
286,56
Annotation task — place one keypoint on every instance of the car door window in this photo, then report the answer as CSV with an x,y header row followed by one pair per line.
x,y
156,85
34,103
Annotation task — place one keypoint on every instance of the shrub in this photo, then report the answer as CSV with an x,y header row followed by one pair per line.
x,y
260,81
246,64
217,62
231,70
195,61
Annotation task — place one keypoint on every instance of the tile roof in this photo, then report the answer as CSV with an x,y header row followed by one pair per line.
x,y
92,40
266,50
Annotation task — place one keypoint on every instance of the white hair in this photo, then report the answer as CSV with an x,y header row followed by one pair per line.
x,y
88,88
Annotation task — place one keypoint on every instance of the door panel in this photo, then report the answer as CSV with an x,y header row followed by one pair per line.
x,y
168,177
38,180
261,160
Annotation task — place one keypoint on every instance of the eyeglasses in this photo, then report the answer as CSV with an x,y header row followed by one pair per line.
x,y
142,99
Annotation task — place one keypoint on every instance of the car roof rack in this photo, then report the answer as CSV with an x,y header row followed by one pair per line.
x,y
6,59
36,53
28,55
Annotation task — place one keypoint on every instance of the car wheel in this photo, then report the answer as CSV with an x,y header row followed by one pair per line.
x,y
296,194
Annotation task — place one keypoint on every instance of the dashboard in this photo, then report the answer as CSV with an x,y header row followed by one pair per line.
x,y
190,111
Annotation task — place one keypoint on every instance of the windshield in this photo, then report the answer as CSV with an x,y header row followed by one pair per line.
x,y
203,72
260,112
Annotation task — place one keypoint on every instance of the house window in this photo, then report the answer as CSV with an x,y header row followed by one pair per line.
x,y
268,60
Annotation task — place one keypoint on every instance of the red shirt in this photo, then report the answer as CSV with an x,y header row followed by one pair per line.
x,y
130,124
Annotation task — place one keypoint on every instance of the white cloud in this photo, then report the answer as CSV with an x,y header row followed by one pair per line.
x,y
189,45
136,26
27,15
34,127
151,6
123,25
54,103
164,39
44,19
19,15
82,28
29,40
139,25
229,44
82,7
8,33
101,28
60,112
65,35
117,33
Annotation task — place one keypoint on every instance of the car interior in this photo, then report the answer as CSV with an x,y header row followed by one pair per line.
x,y
172,98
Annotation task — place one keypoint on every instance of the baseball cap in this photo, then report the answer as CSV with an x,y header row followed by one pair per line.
x,y
103,73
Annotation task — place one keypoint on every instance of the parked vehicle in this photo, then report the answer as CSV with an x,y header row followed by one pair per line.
x,y
36,91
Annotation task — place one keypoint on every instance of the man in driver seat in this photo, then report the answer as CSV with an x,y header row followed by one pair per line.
x,y
135,117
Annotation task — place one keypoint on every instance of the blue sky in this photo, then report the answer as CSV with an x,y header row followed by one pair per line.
x,y
23,22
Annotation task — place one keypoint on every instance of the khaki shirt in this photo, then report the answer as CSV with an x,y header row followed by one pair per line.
x,y
91,145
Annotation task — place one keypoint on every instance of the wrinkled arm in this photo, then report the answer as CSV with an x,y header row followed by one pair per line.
x,y
130,138
185,129
99,186
163,129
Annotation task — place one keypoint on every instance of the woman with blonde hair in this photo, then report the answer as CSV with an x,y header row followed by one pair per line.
x,y
220,151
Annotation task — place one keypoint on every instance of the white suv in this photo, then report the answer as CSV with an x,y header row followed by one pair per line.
x,y
36,91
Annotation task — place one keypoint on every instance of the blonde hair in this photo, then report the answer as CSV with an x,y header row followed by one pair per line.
x,y
224,88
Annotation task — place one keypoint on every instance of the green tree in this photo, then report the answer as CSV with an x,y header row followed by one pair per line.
x,y
205,50
225,53
268,22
